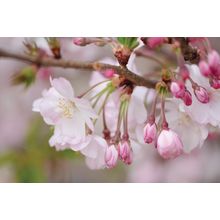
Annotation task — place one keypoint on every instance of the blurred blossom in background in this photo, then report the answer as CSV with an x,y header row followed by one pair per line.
x,y
25,155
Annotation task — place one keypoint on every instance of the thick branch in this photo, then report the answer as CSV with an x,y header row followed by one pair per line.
x,y
137,80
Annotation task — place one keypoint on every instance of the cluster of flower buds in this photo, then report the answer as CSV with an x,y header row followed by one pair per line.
x,y
167,142
121,150
211,69
119,145
178,89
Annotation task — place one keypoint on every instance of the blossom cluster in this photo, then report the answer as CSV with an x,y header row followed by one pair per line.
x,y
175,116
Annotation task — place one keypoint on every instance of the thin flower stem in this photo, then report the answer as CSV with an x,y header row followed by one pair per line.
x,y
91,88
104,119
99,94
153,110
117,133
164,121
126,119
103,105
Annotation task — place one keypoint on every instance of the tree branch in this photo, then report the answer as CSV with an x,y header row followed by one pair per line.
x,y
45,61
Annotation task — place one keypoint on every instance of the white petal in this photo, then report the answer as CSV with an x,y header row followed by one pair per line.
x,y
85,107
36,105
63,86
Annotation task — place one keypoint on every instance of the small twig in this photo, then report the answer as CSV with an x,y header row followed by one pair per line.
x,y
45,61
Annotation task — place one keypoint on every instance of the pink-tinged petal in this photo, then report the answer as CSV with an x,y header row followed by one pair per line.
x,y
96,147
49,111
95,152
63,86
82,144
62,140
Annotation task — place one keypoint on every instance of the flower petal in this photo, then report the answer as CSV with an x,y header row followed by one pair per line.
x,y
63,86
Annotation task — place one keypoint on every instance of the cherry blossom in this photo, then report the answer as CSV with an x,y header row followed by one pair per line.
x,y
68,114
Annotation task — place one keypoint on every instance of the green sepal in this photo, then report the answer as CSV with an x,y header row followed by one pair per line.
x,y
129,42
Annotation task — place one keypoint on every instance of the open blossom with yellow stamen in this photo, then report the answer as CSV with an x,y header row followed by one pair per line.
x,y
72,117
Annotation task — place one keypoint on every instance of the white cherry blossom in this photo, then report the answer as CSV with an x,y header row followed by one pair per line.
x,y
71,116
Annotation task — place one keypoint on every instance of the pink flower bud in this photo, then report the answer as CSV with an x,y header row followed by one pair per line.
x,y
150,132
177,89
213,61
169,145
204,68
187,98
153,42
201,94
111,156
215,83
109,73
80,41
124,149
129,158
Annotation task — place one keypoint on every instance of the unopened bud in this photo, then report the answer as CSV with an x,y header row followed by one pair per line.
x,y
109,73
204,68
213,59
187,98
125,151
111,156
122,54
169,145
178,89
214,83
150,132
201,94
